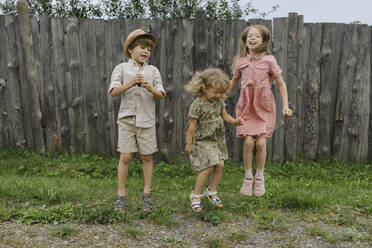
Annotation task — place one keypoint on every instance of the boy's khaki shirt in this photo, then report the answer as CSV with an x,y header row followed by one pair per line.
x,y
137,101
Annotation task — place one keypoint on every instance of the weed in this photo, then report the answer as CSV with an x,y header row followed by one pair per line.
x,y
133,232
238,236
216,243
64,231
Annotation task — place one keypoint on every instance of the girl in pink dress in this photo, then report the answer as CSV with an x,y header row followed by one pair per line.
x,y
257,68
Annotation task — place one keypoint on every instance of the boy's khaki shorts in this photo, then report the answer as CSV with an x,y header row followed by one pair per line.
x,y
136,139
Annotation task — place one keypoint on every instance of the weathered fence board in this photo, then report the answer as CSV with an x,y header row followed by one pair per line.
x,y
49,109
326,68
369,157
329,61
280,40
290,135
3,87
359,112
32,78
13,96
311,135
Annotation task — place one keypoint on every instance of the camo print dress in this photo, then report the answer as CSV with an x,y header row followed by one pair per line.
x,y
209,142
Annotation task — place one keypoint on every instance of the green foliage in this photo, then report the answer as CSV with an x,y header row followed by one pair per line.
x,y
138,9
61,188
64,231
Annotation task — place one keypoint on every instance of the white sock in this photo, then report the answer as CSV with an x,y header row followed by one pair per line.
x,y
259,173
248,173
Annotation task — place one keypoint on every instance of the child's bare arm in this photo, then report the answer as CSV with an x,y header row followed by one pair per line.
x,y
284,94
190,134
122,88
229,119
154,91
234,81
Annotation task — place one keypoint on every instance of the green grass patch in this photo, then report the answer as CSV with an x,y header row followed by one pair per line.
x,y
60,188
64,231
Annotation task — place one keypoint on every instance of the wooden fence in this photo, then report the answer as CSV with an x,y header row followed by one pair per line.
x,y
326,67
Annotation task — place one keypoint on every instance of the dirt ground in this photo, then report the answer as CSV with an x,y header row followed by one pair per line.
x,y
191,232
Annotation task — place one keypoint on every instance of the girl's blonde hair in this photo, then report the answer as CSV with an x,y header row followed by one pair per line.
x,y
209,78
263,48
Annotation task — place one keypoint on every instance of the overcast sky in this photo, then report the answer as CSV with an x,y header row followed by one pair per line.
x,y
341,11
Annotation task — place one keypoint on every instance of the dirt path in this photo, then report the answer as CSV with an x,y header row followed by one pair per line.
x,y
191,232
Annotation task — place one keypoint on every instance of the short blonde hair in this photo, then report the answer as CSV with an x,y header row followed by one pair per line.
x,y
209,78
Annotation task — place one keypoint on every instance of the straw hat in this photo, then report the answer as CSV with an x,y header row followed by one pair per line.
x,y
133,36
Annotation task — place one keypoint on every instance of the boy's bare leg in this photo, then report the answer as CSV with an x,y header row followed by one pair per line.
x,y
124,161
147,163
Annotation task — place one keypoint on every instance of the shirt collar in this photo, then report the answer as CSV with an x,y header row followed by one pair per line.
x,y
134,64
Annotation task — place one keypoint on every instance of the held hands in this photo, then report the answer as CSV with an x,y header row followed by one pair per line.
x,y
238,122
287,111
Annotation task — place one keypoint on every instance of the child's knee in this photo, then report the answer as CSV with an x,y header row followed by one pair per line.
x,y
220,166
125,158
261,144
248,143
146,158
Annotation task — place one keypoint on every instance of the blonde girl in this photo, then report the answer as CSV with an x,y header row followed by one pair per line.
x,y
205,137
256,68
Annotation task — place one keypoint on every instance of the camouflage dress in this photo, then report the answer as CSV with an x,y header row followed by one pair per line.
x,y
209,143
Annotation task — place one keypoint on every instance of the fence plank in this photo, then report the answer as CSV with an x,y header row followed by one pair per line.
x,y
302,66
24,88
346,75
311,136
369,158
280,40
359,112
187,70
290,135
330,55
101,79
13,99
4,142
32,79
76,95
52,140
59,80
160,59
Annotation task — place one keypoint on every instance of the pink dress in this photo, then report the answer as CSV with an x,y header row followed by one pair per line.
x,y
256,104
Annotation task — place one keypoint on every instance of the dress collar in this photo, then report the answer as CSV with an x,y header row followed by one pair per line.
x,y
256,57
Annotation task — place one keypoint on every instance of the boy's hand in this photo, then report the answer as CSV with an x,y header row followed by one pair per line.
x,y
147,86
188,149
239,122
287,111
138,79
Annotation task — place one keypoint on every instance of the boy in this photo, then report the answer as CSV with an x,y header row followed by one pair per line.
x,y
138,83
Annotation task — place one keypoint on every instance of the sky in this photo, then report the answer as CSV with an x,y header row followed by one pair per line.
x,y
340,11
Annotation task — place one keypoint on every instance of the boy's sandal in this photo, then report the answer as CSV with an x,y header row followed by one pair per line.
x,y
215,201
119,204
147,202
196,206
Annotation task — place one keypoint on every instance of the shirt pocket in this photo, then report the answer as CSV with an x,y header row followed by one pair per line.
x,y
262,72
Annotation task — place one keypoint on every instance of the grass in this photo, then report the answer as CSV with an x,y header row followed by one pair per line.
x,y
59,188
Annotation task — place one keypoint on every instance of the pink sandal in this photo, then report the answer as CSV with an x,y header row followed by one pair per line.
x,y
259,186
246,188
